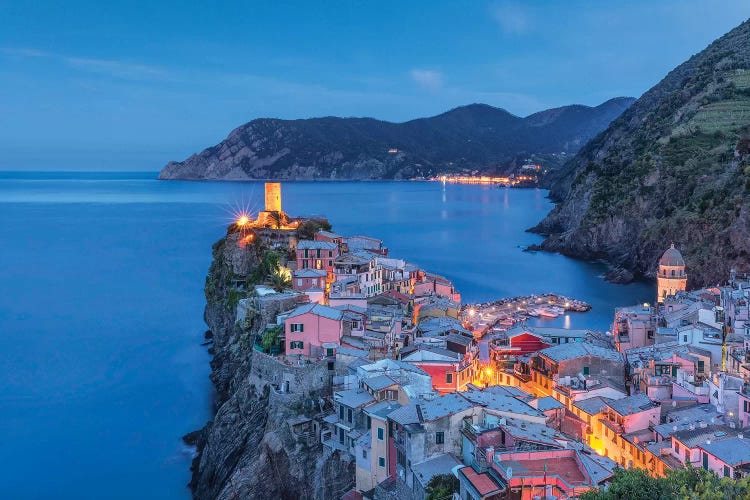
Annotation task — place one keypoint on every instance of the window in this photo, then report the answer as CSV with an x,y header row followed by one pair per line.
x,y
364,453
726,471
296,344
297,327
701,366
369,422
677,447
299,282
330,253
687,454
439,437
349,414
381,461
585,370
381,434
448,378
341,412
306,254
317,253
684,338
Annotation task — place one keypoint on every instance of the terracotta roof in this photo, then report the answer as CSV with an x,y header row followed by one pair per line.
x,y
483,483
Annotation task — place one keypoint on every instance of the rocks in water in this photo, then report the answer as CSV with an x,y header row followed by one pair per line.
x,y
619,275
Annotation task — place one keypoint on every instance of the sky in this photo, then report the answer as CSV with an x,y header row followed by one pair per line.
x,y
92,85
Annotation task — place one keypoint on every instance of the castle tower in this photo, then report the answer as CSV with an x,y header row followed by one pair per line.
x,y
273,197
671,277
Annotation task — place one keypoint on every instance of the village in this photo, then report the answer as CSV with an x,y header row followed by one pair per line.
x,y
421,386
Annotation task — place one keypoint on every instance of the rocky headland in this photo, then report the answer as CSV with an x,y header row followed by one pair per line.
x,y
674,167
251,448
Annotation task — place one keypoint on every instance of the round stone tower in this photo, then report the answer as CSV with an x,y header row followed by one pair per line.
x,y
671,277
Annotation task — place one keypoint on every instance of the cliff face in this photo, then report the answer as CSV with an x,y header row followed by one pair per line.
x,y
248,450
674,167
474,136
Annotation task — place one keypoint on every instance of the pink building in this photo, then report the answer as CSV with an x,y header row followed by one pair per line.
x,y
727,458
330,237
316,255
432,284
306,279
313,330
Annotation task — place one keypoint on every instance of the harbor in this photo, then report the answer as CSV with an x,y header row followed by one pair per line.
x,y
502,314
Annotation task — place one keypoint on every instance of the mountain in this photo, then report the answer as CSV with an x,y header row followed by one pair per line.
x,y
675,166
476,136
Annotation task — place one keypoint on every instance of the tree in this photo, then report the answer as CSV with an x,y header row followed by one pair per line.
x,y
270,338
689,483
442,486
307,230
277,219
280,279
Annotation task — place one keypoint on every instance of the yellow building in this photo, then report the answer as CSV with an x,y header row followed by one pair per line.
x,y
671,277
273,196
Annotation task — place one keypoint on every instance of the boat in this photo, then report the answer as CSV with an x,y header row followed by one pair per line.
x,y
546,312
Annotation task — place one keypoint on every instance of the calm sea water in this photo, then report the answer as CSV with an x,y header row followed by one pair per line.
x,y
101,302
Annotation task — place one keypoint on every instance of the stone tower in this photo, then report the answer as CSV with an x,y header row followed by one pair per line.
x,y
273,197
671,277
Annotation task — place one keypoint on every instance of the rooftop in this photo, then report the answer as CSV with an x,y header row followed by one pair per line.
x,y
592,406
546,403
733,451
444,406
379,382
318,310
693,437
309,273
382,409
672,257
316,245
441,464
574,350
492,400
405,415
481,482
353,398
632,404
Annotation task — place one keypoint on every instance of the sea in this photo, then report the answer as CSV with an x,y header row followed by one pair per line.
x,y
101,306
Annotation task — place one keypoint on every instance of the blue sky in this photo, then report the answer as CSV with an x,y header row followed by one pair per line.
x,y
110,86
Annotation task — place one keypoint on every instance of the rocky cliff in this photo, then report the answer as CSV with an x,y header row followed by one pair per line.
x,y
674,167
477,136
249,449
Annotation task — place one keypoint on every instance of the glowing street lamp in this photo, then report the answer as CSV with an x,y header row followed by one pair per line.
x,y
242,220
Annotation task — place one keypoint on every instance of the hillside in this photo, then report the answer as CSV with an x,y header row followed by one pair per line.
x,y
674,167
476,136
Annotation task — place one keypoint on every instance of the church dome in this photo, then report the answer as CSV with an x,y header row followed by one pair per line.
x,y
672,257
